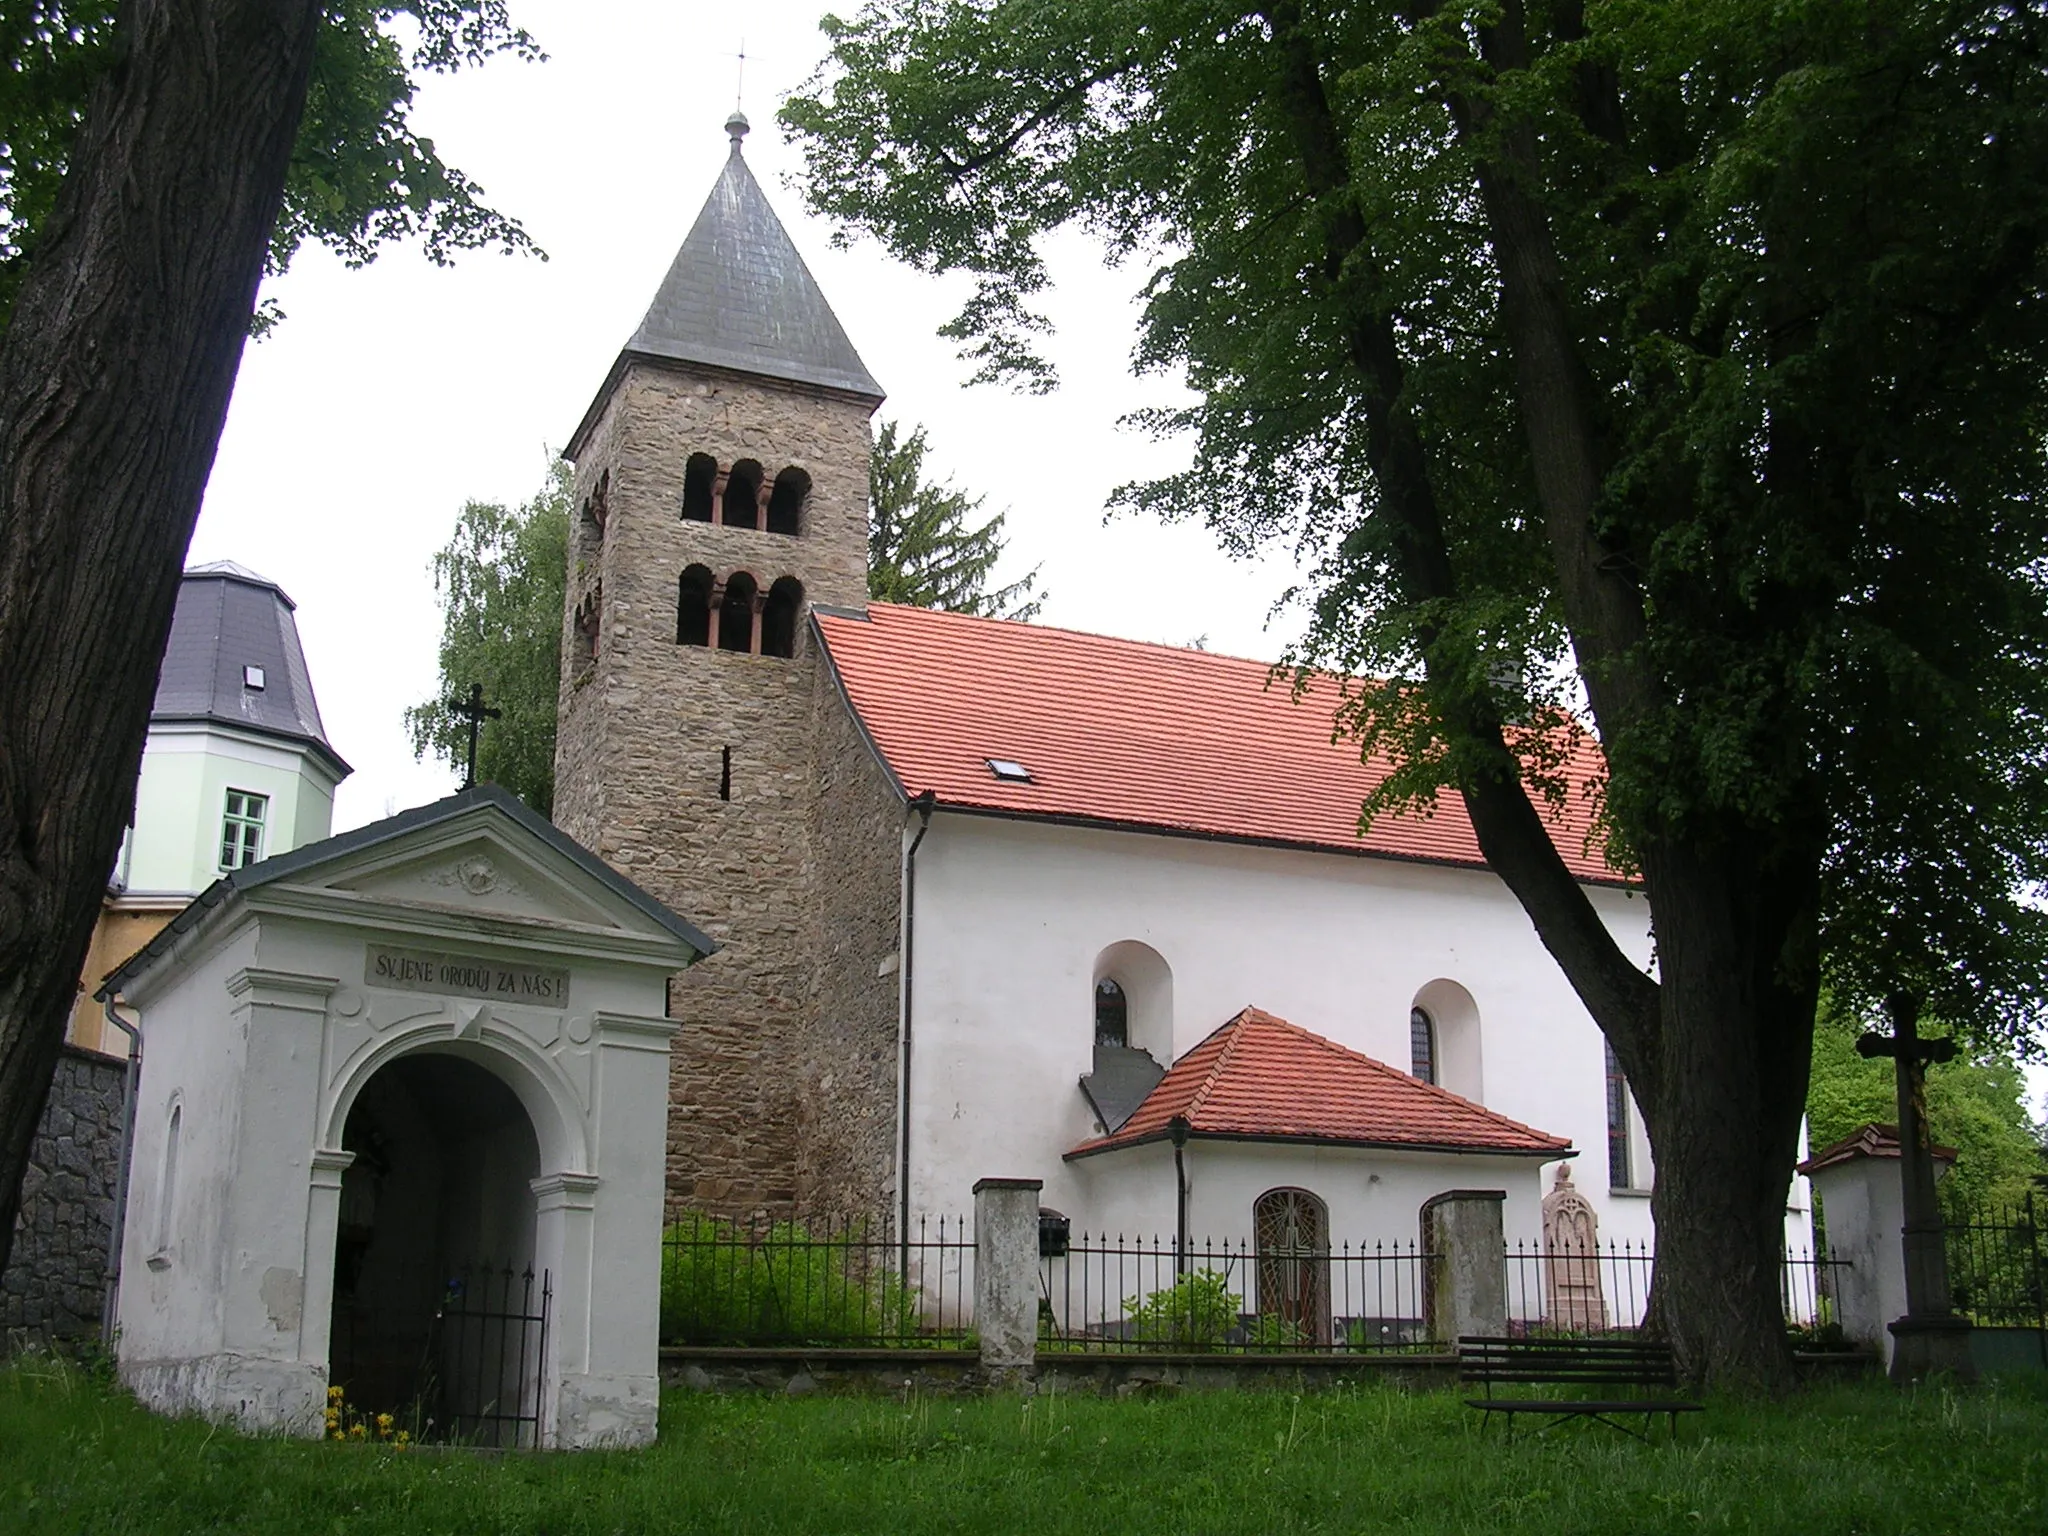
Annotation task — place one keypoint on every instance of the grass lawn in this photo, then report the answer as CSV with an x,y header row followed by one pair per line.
x,y
77,1457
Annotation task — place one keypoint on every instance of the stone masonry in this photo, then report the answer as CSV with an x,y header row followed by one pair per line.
x,y
56,1277
641,762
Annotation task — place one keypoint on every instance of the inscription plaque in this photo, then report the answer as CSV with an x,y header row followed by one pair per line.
x,y
422,970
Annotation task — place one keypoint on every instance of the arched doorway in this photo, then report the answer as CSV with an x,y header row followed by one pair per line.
x,y
438,1315
1293,1233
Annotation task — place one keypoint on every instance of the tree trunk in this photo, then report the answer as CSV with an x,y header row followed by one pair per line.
x,y
115,374
1717,1047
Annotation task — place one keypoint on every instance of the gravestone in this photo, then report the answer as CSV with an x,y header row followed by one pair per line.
x,y
1572,1296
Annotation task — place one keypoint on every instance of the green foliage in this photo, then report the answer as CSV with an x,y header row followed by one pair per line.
x,y
1976,1104
1752,468
922,549
1200,1311
360,176
722,1283
501,579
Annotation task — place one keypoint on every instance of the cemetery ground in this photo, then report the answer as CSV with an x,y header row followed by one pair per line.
x,y
77,1455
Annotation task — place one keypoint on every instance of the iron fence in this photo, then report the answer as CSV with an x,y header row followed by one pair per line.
x,y
1997,1262
1114,1293
1565,1291
842,1282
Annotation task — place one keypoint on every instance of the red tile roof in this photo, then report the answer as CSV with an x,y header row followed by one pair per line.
x,y
1259,1078
1872,1140
1122,733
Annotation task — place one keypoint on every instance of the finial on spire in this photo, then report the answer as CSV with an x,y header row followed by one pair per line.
x,y
736,125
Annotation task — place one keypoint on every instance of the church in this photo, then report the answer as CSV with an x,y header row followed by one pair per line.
x,y
994,899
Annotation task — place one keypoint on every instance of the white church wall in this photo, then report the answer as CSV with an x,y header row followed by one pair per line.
x,y
1012,918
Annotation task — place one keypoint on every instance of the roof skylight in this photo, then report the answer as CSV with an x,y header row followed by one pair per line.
x,y
1009,772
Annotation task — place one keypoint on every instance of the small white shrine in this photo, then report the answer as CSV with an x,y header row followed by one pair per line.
x,y
402,1128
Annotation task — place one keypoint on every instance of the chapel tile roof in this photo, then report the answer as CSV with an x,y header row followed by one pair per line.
x,y
1150,737
1872,1140
227,619
1260,1078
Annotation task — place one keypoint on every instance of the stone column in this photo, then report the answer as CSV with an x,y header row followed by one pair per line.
x,y
1468,1278
1006,1274
323,1220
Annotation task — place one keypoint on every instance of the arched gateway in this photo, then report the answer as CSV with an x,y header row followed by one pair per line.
x,y
385,1053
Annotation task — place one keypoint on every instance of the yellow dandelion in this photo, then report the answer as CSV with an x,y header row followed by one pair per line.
x,y
402,1440
334,1394
357,1432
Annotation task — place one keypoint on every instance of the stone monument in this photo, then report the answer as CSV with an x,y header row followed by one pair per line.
x,y
1572,1297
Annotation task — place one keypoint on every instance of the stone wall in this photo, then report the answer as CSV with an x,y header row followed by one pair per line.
x,y
55,1282
695,771
847,1117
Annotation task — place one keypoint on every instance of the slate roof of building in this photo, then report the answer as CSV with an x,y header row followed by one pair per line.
x,y
1149,737
229,618
1260,1078
739,296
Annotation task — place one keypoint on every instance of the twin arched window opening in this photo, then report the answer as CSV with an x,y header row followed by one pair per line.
x,y
736,615
742,496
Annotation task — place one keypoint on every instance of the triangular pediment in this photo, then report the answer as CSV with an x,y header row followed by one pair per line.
x,y
476,865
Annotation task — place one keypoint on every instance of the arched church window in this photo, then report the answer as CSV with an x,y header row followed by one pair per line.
x,y
698,475
742,505
1422,1044
786,502
693,606
736,614
1292,1229
779,616
1112,1014
167,1188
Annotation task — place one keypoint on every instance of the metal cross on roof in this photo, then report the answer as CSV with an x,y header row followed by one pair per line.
x,y
476,712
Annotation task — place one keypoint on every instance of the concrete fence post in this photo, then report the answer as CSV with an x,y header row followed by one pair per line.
x,y
1006,1273
1468,1277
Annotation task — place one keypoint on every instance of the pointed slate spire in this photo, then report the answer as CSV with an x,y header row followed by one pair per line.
x,y
739,296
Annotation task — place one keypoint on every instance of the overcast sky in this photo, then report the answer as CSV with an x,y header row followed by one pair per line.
x,y
391,395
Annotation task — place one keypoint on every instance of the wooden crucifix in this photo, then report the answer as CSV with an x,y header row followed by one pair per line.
x,y
476,712
1930,1336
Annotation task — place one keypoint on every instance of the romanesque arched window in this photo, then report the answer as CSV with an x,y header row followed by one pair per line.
x,y
779,617
1422,1044
1112,1014
738,612
741,507
698,476
693,607
786,502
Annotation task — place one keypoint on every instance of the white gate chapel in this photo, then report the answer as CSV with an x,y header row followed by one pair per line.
x,y
403,1112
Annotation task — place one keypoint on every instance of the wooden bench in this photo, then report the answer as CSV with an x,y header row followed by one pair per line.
x,y
1600,1368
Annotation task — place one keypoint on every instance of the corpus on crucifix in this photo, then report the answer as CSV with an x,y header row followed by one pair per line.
x,y
1930,1337
476,712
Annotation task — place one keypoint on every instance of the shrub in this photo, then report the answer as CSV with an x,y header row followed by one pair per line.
x,y
722,1283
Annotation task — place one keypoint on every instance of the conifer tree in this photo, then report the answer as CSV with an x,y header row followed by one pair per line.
x,y
922,549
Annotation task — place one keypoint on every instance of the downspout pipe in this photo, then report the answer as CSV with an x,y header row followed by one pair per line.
x,y
1178,1128
118,1227
923,805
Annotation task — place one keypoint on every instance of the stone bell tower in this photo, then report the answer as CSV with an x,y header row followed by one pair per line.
x,y
720,490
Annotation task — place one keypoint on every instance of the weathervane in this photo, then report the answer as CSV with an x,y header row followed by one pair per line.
x,y
476,712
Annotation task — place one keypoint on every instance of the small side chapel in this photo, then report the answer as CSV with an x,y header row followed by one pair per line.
x,y
987,894
400,1134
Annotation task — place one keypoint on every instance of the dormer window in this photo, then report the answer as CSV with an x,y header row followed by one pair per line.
x,y
1008,771
252,679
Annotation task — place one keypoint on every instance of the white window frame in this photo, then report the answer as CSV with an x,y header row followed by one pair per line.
x,y
244,829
